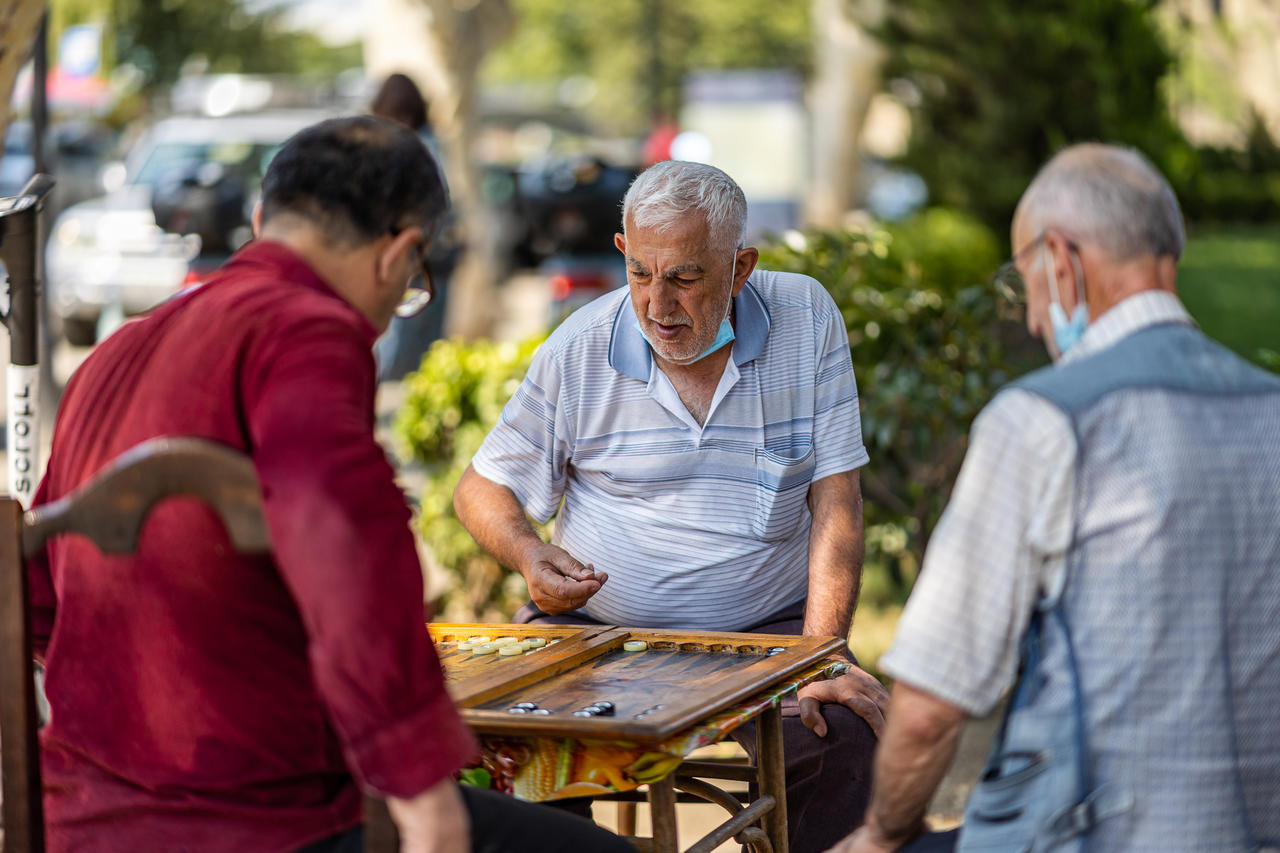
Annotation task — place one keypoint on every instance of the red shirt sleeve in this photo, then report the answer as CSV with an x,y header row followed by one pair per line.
x,y
339,528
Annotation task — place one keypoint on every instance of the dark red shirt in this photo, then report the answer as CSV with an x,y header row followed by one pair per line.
x,y
204,700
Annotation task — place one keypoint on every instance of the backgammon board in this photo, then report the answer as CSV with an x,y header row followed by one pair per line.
x,y
607,683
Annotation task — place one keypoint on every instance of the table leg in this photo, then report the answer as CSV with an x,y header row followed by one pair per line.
x,y
773,779
626,818
662,810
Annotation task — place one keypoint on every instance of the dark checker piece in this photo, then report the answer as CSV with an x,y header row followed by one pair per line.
x,y
604,709
528,706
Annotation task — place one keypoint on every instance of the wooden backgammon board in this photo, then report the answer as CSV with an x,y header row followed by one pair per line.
x,y
595,682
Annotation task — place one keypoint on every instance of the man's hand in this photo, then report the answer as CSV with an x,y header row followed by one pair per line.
x,y
557,582
435,821
864,840
856,690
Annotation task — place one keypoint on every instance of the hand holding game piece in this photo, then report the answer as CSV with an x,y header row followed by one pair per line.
x,y
856,690
558,583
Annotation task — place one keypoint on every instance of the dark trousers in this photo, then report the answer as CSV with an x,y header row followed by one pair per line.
x,y
503,824
828,778
933,842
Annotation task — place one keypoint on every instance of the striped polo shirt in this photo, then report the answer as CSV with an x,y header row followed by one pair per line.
x,y
697,526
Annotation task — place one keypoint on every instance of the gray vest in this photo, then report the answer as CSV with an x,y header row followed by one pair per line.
x,y
1147,712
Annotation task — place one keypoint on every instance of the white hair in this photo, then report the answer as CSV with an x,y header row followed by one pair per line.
x,y
669,190
1107,196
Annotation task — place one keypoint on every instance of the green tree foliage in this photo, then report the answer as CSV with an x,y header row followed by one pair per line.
x,y
637,52
1003,84
159,36
926,337
927,334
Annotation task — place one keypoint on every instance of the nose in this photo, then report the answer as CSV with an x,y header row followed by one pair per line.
x,y
662,299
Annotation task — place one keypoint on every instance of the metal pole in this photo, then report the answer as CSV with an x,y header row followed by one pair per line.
x,y
49,393
19,237
40,94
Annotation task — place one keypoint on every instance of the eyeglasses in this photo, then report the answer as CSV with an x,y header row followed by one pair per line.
x,y
421,289
1008,281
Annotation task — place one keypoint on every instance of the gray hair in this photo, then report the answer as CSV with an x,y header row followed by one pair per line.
x,y
670,189
1108,196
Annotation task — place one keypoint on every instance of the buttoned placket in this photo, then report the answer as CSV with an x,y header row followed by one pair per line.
x,y
664,394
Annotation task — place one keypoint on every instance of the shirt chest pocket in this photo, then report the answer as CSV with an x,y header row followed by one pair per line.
x,y
782,487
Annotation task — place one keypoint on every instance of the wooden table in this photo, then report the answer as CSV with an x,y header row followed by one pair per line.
x,y
685,690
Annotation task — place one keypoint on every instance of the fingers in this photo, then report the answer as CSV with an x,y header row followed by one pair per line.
x,y
558,583
868,710
811,715
857,691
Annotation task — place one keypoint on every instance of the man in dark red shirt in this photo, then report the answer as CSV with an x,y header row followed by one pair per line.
x,y
203,700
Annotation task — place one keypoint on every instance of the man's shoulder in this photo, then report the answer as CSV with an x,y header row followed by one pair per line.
x,y
1170,356
792,289
591,326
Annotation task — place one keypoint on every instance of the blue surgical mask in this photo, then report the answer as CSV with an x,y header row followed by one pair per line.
x,y
1066,333
723,336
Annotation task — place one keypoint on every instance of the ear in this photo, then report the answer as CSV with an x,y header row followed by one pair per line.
x,y
255,219
620,240
1065,269
747,260
393,254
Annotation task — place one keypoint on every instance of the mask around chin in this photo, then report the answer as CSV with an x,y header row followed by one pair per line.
x,y
723,336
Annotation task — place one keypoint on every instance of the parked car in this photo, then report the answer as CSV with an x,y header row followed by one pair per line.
x,y
188,190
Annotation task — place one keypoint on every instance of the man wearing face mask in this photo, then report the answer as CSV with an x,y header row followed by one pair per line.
x,y
698,434
1113,541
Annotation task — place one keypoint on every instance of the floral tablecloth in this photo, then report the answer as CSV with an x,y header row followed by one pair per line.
x,y
548,768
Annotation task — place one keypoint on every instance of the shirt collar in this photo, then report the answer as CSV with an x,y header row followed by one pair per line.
x,y
1148,308
285,264
630,355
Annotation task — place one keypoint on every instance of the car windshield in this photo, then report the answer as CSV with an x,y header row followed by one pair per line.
x,y
248,159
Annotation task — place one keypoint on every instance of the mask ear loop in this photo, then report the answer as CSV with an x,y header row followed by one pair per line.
x,y
1047,259
1076,267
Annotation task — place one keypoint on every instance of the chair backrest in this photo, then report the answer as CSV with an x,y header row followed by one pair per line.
x,y
110,511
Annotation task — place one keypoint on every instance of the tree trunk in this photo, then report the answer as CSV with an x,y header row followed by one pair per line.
x,y
21,21
847,63
441,43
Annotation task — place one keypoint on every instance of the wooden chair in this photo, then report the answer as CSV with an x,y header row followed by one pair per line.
x,y
110,511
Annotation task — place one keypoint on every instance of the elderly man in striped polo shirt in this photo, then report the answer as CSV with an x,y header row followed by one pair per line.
x,y
699,435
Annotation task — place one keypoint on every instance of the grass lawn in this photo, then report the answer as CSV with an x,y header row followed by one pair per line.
x,y
1230,282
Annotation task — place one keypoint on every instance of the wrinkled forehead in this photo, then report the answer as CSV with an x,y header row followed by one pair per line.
x,y
686,233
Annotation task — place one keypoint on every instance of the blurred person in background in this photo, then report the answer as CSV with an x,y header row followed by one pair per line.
x,y
1112,547
400,350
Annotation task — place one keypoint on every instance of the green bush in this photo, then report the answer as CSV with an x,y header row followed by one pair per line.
x,y
927,337
451,402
